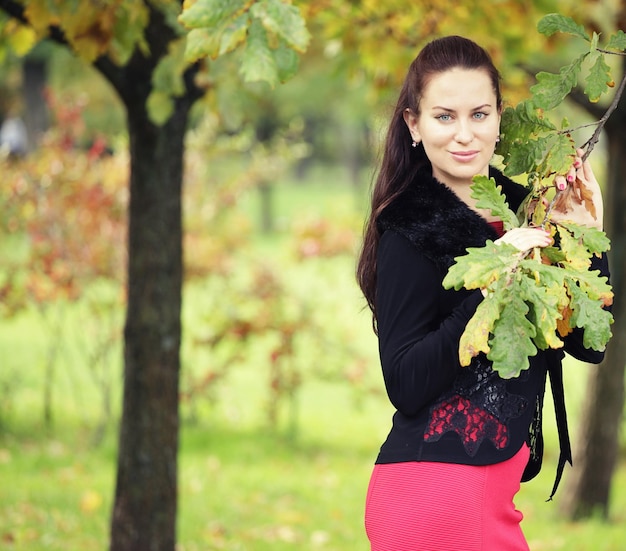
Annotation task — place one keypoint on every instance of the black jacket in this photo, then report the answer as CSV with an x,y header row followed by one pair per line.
x,y
445,412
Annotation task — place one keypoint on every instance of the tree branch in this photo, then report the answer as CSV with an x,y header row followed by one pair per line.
x,y
17,11
124,78
13,9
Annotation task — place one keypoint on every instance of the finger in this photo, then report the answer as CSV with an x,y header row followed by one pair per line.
x,y
560,183
585,167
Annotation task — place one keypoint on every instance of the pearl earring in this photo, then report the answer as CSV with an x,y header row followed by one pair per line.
x,y
414,144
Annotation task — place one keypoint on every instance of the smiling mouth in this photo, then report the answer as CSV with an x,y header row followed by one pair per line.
x,y
464,155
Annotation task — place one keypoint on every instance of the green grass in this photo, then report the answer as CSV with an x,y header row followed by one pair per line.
x,y
245,487
242,484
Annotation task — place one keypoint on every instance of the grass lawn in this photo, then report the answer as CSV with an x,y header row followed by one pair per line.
x,y
243,485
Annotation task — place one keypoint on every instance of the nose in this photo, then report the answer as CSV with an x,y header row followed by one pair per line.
x,y
464,133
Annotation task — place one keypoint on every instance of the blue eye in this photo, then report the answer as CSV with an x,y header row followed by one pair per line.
x,y
444,117
480,115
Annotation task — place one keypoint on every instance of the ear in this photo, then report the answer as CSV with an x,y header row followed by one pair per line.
x,y
410,118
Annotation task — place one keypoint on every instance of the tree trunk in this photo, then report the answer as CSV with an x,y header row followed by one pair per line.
x,y
145,503
144,514
588,487
35,112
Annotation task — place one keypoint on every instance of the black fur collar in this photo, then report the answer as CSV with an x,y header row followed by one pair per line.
x,y
437,222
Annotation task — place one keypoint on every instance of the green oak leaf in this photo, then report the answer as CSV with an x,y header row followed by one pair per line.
x,y
523,157
543,302
617,41
589,315
481,266
512,340
594,285
597,80
284,21
475,337
561,154
520,122
577,256
593,238
551,89
258,63
287,61
210,14
554,255
489,196
557,23
548,275
234,34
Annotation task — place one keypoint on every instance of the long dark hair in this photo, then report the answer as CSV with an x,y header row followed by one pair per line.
x,y
400,160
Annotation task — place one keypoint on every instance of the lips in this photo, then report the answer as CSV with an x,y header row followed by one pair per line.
x,y
464,156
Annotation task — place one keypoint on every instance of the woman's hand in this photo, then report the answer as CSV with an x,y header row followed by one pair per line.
x,y
525,239
579,199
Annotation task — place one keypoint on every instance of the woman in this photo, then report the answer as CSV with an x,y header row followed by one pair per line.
x,y
462,439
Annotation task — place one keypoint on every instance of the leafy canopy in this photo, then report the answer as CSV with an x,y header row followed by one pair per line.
x,y
270,33
273,31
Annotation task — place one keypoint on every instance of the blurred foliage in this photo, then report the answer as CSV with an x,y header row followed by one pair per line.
x,y
63,232
64,218
250,309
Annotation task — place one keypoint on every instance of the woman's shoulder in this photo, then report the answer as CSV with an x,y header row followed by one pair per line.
x,y
396,252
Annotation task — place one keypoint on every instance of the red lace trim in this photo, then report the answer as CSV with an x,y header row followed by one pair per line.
x,y
471,423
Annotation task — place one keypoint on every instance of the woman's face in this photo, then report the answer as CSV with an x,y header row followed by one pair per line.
x,y
458,124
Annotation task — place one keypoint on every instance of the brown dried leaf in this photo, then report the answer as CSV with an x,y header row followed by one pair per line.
x,y
575,193
562,325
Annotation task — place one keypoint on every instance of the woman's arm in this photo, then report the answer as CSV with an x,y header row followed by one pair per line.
x,y
418,351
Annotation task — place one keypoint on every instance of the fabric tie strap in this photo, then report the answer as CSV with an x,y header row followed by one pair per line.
x,y
558,395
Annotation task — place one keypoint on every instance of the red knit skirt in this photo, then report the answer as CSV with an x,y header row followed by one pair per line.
x,y
424,506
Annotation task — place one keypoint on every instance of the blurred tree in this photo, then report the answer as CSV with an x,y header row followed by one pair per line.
x,y
156,67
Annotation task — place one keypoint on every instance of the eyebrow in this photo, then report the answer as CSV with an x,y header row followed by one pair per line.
x,y
453,111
